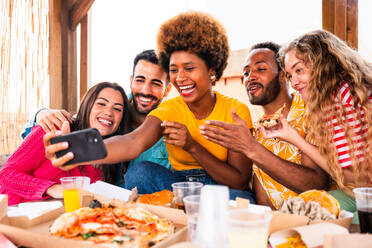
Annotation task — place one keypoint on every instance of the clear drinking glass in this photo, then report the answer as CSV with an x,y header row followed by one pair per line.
x,y
192,211
71,186
183,189
363,198
248,229
211,230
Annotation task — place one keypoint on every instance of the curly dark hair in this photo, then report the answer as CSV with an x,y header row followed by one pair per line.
x,y
197,33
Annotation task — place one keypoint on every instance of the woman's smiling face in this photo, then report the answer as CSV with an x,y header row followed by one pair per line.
x,y
107,111
190,75
297,73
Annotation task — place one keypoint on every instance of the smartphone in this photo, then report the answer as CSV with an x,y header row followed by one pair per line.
x,y
86,145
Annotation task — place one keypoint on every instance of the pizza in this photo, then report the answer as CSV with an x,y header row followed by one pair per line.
x,y
269,121
129,226
161,198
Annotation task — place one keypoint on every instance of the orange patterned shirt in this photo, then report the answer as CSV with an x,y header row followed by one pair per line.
x,y
284,150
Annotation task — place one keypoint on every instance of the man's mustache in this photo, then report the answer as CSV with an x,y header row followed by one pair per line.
x,y
255,83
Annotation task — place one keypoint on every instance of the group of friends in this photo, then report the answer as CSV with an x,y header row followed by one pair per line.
x,y
321,142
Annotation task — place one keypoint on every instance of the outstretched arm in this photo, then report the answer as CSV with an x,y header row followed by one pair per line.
x,y
119,148
239,138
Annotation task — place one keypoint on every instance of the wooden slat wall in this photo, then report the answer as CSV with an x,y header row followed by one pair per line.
x,y
341,18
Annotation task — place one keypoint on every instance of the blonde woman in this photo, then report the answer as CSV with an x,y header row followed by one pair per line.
x,y
336,84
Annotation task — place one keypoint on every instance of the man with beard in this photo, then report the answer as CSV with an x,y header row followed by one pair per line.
x,y
149,85
280,169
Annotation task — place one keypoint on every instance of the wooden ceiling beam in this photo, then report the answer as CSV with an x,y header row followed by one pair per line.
x,y
78,11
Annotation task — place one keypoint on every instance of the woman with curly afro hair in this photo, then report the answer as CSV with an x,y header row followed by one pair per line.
x,y
336,84
193,48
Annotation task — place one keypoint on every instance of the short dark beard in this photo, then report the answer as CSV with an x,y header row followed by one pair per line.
x,y
271,92
135,104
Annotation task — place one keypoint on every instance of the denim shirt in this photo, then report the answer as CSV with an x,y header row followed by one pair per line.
x,y
157,154
30,124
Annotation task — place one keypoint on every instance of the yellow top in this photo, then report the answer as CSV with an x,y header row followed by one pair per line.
x,y
284,150
176,110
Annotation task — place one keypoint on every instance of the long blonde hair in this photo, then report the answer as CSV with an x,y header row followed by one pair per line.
x,y
333,62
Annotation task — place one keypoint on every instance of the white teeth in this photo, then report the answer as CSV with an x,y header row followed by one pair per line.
x,y
144,99
186,87
253,88
105,121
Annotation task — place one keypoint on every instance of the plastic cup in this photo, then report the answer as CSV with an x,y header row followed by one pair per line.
x,y
183,189
192,211
71,186
211,230
363,198
248,229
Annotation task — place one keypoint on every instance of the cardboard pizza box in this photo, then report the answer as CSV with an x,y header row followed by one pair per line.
x,y
185,245
344,220
282,221
29,214
38,235
180,236
348,240
311,235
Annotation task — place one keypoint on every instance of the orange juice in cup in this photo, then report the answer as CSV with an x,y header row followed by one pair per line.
x,y
71,186
71,199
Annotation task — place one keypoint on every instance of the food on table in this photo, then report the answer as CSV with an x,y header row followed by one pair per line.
x,y
129,226
269,121
294,241
315,204
163,198
325,200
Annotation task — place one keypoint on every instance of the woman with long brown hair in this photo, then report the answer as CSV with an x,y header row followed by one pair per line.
x,y
336,84
28,175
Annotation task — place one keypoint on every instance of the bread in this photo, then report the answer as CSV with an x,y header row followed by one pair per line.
x,y
325,200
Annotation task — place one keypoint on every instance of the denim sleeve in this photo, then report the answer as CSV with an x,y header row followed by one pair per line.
x,y
30,124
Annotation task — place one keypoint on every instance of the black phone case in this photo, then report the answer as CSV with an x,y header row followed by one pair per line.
x,y
86,145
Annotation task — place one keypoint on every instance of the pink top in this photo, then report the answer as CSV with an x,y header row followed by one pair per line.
x,y
28,173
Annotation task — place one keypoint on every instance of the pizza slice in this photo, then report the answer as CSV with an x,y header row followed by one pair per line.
x,y
129,226
161,198
268,121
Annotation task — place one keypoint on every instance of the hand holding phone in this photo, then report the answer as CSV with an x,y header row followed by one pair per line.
x,y
86,145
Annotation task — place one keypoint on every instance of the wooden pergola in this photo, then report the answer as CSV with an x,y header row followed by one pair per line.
x,y
338,16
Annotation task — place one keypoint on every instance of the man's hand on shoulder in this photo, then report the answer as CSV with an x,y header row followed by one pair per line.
x,y
51,119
